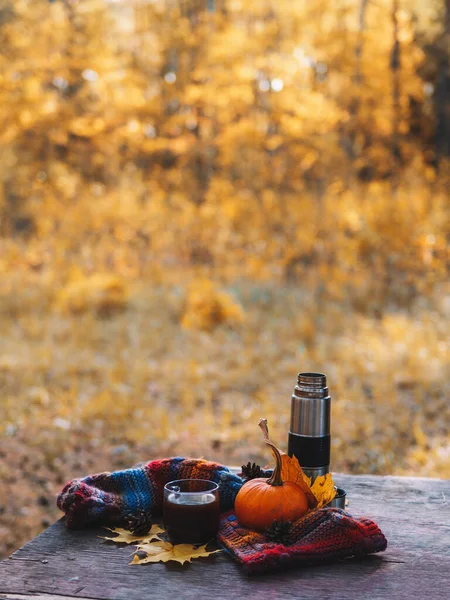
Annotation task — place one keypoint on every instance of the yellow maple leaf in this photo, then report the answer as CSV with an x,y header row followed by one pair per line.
x,y
323,489
126,537
165,552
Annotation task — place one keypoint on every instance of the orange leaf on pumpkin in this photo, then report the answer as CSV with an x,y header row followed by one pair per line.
x,y
292,471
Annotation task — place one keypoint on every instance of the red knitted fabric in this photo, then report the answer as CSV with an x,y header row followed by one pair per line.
x,y
322,535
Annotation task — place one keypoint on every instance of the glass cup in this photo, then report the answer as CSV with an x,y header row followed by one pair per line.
x,y
191,510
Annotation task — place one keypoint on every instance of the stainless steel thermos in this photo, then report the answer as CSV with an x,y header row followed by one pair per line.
x,y
309,435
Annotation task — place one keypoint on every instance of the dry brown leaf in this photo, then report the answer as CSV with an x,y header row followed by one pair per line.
x,y
323,489
126,537
165,552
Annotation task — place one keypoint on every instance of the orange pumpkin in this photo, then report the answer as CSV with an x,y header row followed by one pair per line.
x,y
261,501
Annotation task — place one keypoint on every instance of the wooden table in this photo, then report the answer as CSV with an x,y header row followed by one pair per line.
x,y
413,513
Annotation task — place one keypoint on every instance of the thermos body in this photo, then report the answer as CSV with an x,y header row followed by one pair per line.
x,y
309,435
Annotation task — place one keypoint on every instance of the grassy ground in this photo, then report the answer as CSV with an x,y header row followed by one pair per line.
x,y
98,390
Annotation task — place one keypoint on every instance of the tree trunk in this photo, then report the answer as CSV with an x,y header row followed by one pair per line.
x,y
396,92
395,68
357,77
348,141
442,95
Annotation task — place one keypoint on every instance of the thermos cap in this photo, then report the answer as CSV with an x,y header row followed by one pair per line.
x,y
310,406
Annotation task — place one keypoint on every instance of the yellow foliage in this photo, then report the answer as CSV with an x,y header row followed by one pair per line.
x,y
165,552
86,127
431,458
100,293
127,537
323,489
207,307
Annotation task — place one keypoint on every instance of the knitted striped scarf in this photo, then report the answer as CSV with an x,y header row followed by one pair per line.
x,y
107,498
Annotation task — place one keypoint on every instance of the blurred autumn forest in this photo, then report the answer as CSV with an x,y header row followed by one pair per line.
x,y
200,198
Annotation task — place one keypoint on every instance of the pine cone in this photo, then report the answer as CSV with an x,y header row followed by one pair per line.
x,y
138,523
280,532
252,471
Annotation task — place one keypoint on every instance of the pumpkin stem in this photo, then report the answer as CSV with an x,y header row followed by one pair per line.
x,y
263,425
275,478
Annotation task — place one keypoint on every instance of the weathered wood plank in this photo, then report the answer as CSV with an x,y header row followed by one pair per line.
x,y
413,513
38,597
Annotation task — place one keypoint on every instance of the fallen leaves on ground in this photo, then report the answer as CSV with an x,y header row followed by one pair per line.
x,y
164,552
127,537
102,294
207,307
